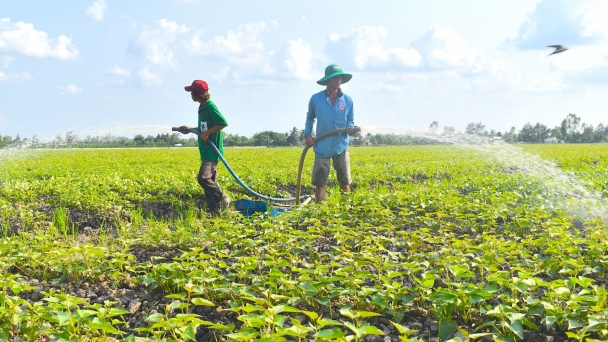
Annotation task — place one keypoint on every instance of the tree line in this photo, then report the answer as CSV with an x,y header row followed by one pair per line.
x,y
571,130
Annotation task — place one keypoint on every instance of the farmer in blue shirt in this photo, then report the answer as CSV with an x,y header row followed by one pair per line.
x,y
332,109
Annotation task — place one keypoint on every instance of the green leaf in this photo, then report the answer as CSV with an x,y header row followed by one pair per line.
x,y
372,330
549,320
108,328
85,313
190,333
447,327
478,335
348,313
381,302
322,322
365,314
222,327
358,331
516,328
202,302
311,314
330,333
402,329
530,324
573,323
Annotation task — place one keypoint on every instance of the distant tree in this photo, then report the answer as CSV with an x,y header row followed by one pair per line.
x,y
448,130
58,140
570,128
475,128
602,133
541,132
510,136
434,126
71,138
139,140
587,134
527,133
294,137
269,138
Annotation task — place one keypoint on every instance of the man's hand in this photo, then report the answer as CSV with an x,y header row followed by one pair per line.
x,y
352,130
309,141
205,136
182,129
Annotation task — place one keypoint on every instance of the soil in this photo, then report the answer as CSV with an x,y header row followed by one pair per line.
x,y
140,302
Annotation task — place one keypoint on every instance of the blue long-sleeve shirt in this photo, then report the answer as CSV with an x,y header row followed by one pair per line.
x,y
329,118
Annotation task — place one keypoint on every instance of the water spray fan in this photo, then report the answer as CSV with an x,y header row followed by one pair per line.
x,y
248,207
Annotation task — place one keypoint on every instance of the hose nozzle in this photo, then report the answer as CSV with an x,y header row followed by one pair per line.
x,y
175,129
354,129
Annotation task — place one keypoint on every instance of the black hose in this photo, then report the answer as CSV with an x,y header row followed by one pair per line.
x,y
303,157
238,180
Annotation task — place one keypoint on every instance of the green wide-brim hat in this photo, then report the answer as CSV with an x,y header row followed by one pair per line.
x,y
334,70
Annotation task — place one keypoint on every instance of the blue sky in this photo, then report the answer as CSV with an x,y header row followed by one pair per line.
x,y
119,67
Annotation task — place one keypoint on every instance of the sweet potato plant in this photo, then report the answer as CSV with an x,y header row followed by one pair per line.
x,y
433,243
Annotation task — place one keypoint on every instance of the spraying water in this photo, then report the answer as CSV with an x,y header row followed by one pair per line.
x,y
126,129
569,193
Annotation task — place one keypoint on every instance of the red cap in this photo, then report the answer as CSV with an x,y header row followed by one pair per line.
x,y
198,86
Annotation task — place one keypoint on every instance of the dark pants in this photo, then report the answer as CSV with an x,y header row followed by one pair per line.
x,y
206,178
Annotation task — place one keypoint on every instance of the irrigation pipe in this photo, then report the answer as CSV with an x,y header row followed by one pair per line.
x,y
298,198
238,180
320,137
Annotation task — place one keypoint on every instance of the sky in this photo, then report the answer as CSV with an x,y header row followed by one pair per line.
x,y
99,67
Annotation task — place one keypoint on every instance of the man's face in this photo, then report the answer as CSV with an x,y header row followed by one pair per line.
x,y
335,82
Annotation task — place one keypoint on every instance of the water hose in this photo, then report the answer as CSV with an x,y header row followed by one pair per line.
x,y
298,198
303,157
238,180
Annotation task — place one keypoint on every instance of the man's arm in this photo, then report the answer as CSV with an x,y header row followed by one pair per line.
x,y
310,120
350,118
183,128
205,135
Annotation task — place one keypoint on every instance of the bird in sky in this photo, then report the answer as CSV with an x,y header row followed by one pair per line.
x,y
558,49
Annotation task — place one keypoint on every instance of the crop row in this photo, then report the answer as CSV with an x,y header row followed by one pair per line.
x,y
433,242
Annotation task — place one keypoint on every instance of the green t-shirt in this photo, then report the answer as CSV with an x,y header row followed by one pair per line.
x,y
209,116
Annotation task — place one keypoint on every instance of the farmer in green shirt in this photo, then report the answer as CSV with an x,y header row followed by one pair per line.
x,y
210,123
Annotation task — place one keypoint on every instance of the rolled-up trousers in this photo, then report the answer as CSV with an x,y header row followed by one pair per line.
x,y
206,179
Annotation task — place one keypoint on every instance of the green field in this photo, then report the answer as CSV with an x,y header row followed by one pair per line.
x,y
434,243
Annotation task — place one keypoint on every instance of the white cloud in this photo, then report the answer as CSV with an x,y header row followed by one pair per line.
x,y
441,48
15,78
595,74
393,88
240,47
7,60
362,48
563,22
292,61
303,17
594,20
222,73
23,39
149,78
97,9
119,71
70,89
501,76
156,43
